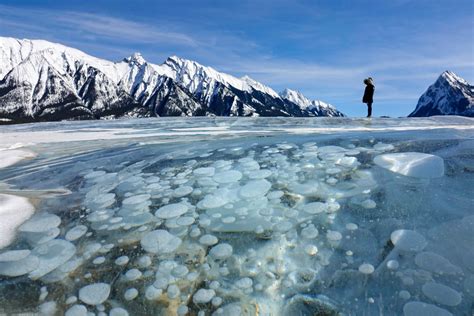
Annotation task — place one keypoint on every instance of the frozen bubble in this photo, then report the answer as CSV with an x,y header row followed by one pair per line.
x,y
416,308
203,296
133,274
368,204
309,232
404,295
208,240
41,223
204,172
180,271
144,261
315,207
71,299
412,164
51,255
171,210
392,264
99,260
94,294
383,147
195,232
173,291
275,194
214,285
122,260
212,201
152,293
17,262
348,162
283,226
408,240
216,301
76,232
244,283
76,310
130,294
441,294
305,189
433,262
182,310
182,191
366,268
260,174
333,235
136,199
255,188
351,226
333,171
221,251
118,311
228,220
229,176
185,221
311,250
160,241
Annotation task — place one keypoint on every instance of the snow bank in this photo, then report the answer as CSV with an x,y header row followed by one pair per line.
x,y
14,210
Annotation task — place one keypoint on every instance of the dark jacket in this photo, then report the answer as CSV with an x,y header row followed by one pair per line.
x,y
368,94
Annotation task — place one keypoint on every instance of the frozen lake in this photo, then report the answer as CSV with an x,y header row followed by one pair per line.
x,y
238,216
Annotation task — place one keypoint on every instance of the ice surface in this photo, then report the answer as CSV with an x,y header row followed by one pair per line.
x,y
231,215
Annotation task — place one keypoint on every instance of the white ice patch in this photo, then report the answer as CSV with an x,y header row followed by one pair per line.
x,y
94,294
14,210
203,296
17,262
441,294
51,255
408,240
76,232
412,164
221,251
416,308
229,176
160,241
255,189
171,210
11,157
433,262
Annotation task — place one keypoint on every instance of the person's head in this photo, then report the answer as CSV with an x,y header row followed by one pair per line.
x,y
369,81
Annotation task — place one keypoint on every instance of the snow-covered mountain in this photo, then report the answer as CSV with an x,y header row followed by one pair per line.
x,y
316,107
449,95
43,81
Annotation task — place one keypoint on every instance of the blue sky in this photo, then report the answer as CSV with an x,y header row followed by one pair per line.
x,y
321,48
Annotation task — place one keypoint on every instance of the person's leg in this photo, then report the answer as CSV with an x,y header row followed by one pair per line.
x,y
369,109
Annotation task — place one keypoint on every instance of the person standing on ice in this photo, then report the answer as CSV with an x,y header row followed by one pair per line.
x,y
369,95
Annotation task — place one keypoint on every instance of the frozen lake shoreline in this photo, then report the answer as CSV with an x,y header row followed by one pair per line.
x,y
227,215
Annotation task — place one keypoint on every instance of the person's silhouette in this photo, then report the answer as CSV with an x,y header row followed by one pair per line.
x,y
369,95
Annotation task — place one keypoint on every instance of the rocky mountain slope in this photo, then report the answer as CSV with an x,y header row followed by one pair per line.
x,y
44,81
449,95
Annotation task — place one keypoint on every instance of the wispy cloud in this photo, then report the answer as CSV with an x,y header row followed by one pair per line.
x,y
92,25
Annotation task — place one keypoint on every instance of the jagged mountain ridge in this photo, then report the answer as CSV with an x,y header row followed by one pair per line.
x,y
449,95
43,81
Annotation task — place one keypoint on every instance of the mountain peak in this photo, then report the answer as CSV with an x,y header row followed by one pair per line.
x,y
449,95
136,58
451,77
